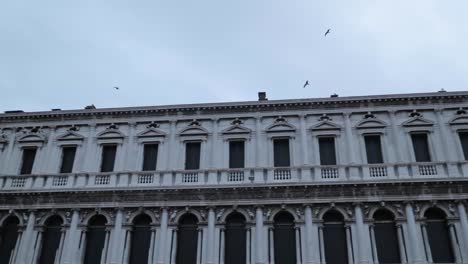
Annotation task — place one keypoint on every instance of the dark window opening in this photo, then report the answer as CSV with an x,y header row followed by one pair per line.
x,y
108,158
51,240
140,240
29,154
68,158
386,238
284,238
421,147
327,150
150,157
95,239
187,239
281,152
334,238
373,149
438,236
235,239
192,155
236,154
464,142
8,237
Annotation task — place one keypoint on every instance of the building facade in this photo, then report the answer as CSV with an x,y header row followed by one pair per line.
x,y
368,179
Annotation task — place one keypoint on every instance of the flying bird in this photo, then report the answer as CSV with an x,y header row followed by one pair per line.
x,y
328,32
305,84
115,87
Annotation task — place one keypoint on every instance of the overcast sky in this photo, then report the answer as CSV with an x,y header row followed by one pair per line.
x,y
69,54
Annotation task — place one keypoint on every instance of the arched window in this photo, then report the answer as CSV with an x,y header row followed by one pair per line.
x,y
140,239
438,236
8,237
386,238
284,238
334,238
51,240
95,239
235,239
187,240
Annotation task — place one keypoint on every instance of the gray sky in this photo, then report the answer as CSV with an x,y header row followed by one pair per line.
x,y
68,54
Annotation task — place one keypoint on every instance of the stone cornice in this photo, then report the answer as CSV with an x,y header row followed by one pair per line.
x,y
274,105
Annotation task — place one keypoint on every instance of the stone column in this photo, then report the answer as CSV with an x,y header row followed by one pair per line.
x,y
152,242
311,246
162,252
349,244
14,252
221,246
259,240
426,243
401,243
414,239
363,236
116,239
271,235
298,244
453,240
24,252
304,147
58,256
174,246
374,246
126,250
248,238
71,245
199,245
38,246
322,245
105,250
211,236
463,225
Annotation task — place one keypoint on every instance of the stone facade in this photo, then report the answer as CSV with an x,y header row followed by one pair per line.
x,y
305,189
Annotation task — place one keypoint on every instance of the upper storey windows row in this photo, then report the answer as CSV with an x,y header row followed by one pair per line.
x,y
272,141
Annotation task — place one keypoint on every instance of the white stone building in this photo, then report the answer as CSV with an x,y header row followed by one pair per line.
x,y
368,179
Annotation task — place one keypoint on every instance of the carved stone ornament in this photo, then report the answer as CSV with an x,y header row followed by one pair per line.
x,y
267,213
251,213
172,215
220,213
398,209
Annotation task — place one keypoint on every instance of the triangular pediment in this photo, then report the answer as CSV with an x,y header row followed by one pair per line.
x,y
417,122
70,136
193,131
459,120
281,127
110,134
31,138
371,123
325,125
151,133
236,129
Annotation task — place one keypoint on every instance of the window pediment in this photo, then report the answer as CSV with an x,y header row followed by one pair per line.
x,y
236,130
325,126
280,127
151,133
459,120
371,124
110,136
70,136
193,130
31,138
418,121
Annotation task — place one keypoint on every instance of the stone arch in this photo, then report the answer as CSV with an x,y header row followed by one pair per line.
x,y
48,215
133,215
332,208
12,214
229,211
396,214
109,219
437,206
179,214
280,210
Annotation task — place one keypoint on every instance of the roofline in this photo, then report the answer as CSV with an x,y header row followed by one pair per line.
x,y
234,105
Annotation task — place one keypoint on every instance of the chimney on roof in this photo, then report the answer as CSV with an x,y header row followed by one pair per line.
x,y
90,107
13,111
262,96
334,95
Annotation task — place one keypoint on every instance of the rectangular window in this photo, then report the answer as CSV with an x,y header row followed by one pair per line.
x,y
464,143
421,147
373,149
29,154
327,150
68,158
150,157
281,152
108,158
236,154
192,155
